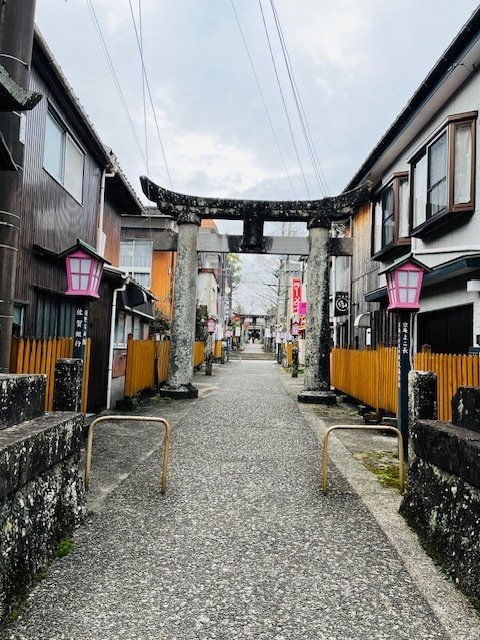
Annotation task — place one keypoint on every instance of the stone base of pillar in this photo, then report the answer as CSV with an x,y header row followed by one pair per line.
x,y
184,392
317,397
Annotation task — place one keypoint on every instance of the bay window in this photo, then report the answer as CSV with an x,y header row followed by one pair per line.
x,y
391,216
442,175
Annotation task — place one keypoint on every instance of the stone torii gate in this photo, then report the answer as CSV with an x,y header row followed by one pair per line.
x,y
318,214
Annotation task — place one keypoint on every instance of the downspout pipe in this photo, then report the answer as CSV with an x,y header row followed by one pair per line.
x,y
126,278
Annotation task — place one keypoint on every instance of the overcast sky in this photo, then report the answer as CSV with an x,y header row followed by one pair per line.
x,y
355,64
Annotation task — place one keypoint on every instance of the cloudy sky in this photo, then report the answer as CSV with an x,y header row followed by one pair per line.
x,y
355,64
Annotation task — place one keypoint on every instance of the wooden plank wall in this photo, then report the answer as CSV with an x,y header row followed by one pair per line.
x,y
36,356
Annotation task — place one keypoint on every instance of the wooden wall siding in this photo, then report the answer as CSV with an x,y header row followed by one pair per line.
x,y
163,270
364,270
51,217
112,227
40,356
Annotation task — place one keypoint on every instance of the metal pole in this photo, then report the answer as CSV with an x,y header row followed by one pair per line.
x,y
16,41
404,319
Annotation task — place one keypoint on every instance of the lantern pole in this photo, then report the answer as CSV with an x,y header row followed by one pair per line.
x,y
81,328
403,343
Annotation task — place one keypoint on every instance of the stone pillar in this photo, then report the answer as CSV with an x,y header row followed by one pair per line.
x,y
180,372
67,389
316,386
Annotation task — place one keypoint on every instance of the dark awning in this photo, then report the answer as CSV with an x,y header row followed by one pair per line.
x,y
462,266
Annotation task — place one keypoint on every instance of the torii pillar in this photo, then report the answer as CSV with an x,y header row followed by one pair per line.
x,y
180,370
316,383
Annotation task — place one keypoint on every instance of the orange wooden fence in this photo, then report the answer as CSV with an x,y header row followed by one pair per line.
x,y
147,364
368,376
198,353
371,376
30,355
452,371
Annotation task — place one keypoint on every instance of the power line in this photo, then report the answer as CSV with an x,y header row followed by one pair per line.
x,y
283,98
299,104
115,78
140,47
263,99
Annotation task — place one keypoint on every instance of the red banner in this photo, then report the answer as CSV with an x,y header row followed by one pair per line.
x,y
296,293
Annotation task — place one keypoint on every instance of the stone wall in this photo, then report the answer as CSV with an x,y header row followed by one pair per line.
x,y
41,497
442,499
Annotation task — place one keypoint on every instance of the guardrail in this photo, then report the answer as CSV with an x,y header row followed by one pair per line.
x,y
166,445
401,474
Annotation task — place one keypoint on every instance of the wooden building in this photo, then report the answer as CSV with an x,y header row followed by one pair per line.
x,y
424,173
72,189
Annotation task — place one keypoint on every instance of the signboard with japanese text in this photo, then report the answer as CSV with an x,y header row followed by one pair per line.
x,y
296,293
341,303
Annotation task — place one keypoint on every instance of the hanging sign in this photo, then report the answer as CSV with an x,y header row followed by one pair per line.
x,y
296,294
341,303
302,308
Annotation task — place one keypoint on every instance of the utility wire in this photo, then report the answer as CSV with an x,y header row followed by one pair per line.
x,y
150,94
140,26
263,99
299,104
283,98
115,78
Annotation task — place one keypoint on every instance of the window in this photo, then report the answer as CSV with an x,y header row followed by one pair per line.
x,y
55,317
391,225
18,320
442,175
136,258
62,158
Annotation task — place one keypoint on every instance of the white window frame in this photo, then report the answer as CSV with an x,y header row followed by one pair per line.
x,y
66,167
140,270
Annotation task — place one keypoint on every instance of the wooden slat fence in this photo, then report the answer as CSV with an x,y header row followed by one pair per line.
x,y
31,355
452,371
371,376
198,353
147,364
368,376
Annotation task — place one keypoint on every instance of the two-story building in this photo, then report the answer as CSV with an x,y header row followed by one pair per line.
x,y
424,173
72,189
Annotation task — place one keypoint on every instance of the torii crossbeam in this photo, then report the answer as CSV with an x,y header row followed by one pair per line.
x,y
318,214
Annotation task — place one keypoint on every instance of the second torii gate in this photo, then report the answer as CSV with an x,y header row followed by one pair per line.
x,y
318,214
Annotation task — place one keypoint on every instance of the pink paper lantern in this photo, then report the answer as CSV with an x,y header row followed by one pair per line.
x,y
404,284
84,272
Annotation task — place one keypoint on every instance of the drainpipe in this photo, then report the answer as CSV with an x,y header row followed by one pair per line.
x,y
126,277
100,242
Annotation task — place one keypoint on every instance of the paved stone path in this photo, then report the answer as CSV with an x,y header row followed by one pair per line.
x,y
244,544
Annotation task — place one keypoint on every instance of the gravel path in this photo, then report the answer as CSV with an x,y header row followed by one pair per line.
x,y
244,544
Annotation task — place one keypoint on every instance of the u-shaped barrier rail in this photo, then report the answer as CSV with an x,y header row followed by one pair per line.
x,y
166,444
401,474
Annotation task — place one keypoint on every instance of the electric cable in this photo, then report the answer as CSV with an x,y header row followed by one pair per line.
x,y
263,99
299,104
283,99
115,78
150,95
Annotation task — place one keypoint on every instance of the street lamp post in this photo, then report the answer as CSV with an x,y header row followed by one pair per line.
x,y
84,271
404,283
